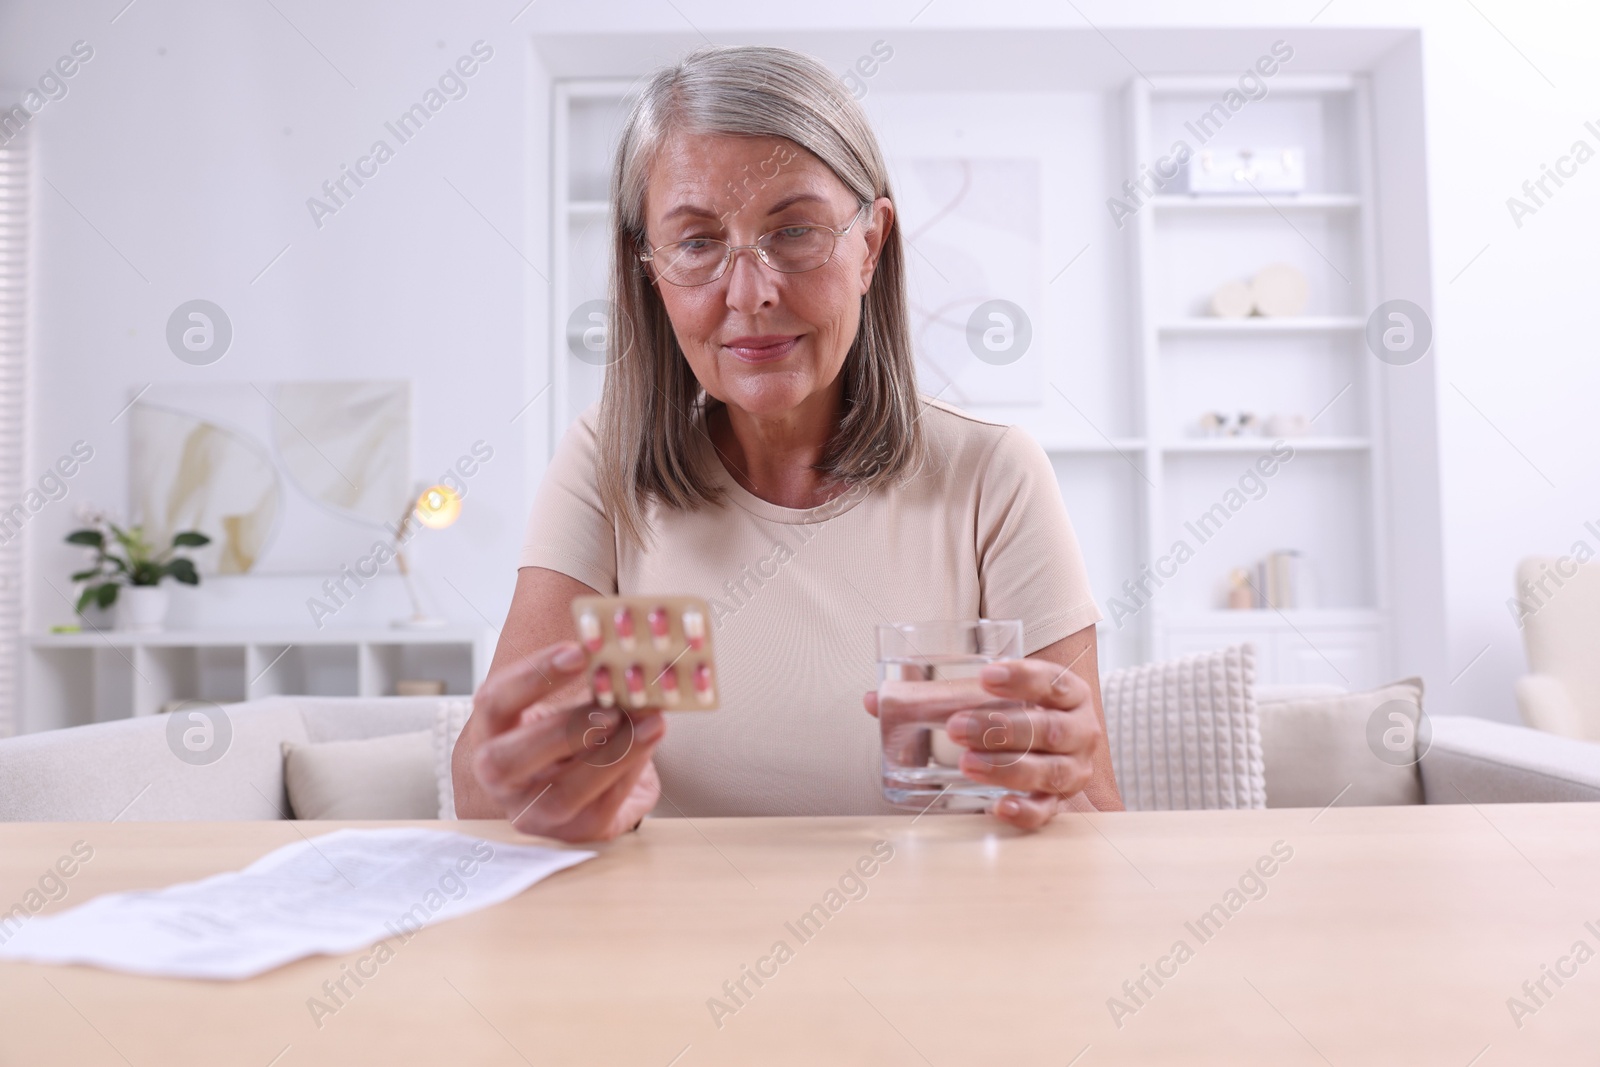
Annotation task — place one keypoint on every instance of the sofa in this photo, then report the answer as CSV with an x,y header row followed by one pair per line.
x,y
132,769
141,769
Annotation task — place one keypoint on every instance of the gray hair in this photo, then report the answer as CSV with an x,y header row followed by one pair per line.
x,y
652,407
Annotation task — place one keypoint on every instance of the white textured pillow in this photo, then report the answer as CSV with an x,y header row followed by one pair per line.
x,y
387,777
1184,734
1316,749
447,726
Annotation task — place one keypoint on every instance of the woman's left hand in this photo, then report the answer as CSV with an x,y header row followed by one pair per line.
x,y
1045,750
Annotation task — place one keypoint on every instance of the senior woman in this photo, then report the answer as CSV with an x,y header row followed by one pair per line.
x,y
760,442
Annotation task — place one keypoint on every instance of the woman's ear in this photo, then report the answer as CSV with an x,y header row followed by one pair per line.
x,y
641,249
881,219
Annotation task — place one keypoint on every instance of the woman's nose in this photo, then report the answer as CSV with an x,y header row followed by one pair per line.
x,y
751,283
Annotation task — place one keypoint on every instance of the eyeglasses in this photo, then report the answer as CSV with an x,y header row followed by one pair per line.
x,y
788,250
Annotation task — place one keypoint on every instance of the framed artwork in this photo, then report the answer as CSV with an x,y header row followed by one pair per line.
x,y
285,477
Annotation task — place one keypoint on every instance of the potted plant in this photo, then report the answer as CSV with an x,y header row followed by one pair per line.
x,y
129,559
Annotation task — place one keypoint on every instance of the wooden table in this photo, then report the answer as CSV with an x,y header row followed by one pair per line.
x,y
1388,936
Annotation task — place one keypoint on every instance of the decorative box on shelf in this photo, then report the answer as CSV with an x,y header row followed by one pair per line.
x,y
95,675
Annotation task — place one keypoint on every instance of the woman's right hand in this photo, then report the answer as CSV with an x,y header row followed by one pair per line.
x,y
556,763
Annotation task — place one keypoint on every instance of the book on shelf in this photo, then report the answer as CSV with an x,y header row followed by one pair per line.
x,y
1279,579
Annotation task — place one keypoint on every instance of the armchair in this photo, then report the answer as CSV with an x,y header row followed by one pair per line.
x,y
1557,604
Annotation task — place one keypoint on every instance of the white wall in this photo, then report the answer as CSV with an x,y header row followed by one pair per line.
x,y
191,142
1518,384
208,186
1519,381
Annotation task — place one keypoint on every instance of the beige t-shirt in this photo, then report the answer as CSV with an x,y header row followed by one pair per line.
x,y
795,594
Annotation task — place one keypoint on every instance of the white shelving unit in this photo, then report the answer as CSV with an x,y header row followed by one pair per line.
x,y
1292,648
1331,493
1258,445
1304,324
1258,204
1115,446
588,116
1118,435
94,676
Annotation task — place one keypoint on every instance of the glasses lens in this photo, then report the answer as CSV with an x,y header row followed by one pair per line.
x,y
798,248
690,262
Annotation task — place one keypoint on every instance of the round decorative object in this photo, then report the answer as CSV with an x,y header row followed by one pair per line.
x,y
1232,300
1280,290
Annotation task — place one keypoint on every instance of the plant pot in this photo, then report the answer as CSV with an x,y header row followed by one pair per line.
x,y
142,608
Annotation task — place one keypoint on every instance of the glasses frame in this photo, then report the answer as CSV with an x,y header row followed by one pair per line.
x,y
760,252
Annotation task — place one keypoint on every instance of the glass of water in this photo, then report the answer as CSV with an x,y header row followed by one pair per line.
x,y
928,671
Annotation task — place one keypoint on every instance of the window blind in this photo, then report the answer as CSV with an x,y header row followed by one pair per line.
x,y
15,175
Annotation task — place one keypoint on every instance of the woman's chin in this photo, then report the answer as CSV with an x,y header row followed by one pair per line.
x,y
772,396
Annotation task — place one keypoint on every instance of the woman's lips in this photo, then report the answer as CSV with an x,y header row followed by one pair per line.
x,y
761,349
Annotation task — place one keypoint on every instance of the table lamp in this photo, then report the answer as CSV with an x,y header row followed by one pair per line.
x,y
435,507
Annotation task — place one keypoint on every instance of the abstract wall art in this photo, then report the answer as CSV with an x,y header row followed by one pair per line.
x,y
286,477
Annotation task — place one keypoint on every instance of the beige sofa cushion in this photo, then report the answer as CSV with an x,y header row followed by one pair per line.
x,y
1317,747
390,777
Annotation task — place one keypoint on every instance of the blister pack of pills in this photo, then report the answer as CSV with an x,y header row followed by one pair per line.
x,y
648,651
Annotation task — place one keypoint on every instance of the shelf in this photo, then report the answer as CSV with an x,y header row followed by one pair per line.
x,y
1282,85
283,635
1256,324
99,675
1257,202
1201,445
1111,448
1268,618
